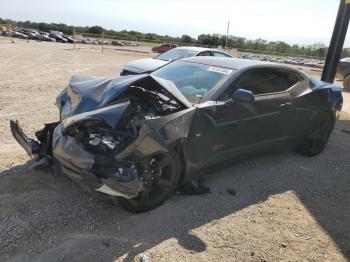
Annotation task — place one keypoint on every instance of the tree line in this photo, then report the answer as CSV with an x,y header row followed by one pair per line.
x,y
240,43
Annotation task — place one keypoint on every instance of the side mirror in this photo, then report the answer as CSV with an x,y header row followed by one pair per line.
x,y
242,95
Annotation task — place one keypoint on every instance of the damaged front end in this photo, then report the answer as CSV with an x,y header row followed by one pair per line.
x,y
106,134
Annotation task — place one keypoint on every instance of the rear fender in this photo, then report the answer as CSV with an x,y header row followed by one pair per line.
x,y
332,94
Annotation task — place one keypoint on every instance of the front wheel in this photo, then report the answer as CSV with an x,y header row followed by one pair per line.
x,y
317,140
161,177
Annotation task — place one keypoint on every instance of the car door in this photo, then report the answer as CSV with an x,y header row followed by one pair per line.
x,y
220,131
227,129
273,103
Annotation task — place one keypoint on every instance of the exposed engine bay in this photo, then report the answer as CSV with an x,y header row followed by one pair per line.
x,y
142,105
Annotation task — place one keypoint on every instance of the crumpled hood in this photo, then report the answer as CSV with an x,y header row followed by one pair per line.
x,y
145,65
87,93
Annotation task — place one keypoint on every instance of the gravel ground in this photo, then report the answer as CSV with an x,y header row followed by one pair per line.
x,y
281,206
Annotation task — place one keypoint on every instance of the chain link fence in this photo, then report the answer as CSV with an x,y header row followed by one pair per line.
x,y
109,43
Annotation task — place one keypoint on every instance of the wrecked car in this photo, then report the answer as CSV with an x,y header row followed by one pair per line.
x,y
137,138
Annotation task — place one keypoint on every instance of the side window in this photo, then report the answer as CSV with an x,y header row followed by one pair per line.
x,y
291,78
219,54
264,81
267,81
204,53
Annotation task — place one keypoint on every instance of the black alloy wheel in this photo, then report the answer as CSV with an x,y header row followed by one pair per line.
x,y
161,175
317,140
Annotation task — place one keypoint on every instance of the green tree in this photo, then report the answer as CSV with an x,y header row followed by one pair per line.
x,y
186,39
96,30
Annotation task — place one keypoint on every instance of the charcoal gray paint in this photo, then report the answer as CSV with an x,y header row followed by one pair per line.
x,y
204,134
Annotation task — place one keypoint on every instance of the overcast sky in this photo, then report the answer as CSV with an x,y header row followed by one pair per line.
x,y
293,21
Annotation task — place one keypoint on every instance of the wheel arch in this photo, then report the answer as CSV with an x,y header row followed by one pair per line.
x,y
332,114
329,112
178,147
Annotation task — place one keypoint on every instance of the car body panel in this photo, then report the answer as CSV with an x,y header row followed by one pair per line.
x,y
86,93
144,65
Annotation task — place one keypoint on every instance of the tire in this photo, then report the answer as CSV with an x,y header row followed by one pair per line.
x,y
346,82
317,140
159,185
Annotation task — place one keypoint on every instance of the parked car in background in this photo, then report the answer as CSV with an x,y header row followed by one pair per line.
x,y
90,41
132,43
320,65
103,42
68,38
16,34
44,36
343,72
163,48
309,62
58,36
247,56
29,33
117,43
148,65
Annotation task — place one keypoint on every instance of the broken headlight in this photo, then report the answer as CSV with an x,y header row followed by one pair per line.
x,y
106,140
102,142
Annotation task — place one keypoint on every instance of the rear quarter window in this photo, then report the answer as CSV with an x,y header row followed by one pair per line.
x,y
264,81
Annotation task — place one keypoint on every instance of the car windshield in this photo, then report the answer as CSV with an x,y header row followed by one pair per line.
x,y
176,53
193,80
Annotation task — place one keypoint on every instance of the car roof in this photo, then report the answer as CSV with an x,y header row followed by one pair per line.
x,y
194,48
198,49
345,59
227,62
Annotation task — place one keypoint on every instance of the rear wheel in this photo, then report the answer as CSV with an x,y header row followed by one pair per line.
x,y
317,140
161,177
346,82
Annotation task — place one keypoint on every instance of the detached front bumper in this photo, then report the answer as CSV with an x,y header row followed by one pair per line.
x,y
69,157
31,146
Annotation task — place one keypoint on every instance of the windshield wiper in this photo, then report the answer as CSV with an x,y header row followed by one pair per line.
x,y
200,96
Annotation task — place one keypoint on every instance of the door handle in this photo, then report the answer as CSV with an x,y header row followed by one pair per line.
x,y
286,106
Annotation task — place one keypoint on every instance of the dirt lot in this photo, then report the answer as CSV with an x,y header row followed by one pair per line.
x,y
286,207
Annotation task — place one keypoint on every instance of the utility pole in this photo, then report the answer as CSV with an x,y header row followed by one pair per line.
x,y
228,27
337,42
103,41
74,39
